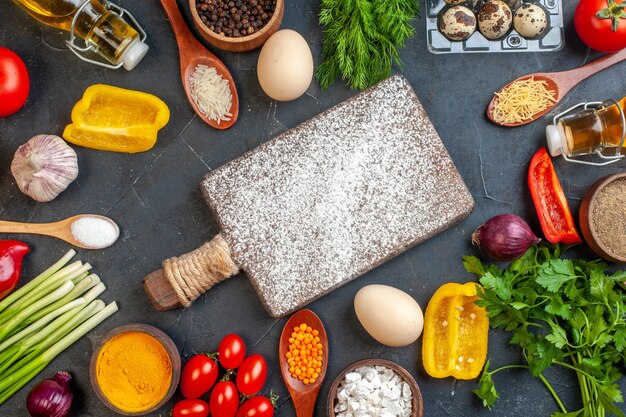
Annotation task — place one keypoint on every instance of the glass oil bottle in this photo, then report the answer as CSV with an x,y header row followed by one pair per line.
x,y
589,128
99,24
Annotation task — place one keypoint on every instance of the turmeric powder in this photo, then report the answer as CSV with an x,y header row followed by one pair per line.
x,y
134,371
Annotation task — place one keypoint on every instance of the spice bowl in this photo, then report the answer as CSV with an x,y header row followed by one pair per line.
x,y
114,365
602,219
243,43
417,405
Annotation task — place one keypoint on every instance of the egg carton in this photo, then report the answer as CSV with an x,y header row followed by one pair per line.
x,y
553,38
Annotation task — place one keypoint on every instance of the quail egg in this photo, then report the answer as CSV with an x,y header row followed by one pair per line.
x,y
530,20
495,19
454,2
457,23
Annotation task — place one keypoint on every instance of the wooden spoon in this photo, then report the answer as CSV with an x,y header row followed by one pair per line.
x,y
303,396
61,230
561,82
192,54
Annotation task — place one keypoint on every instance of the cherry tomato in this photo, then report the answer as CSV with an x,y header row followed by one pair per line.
x,y
198,376
191,408
258,406
231,351
224,400
14,82
601,24
252,374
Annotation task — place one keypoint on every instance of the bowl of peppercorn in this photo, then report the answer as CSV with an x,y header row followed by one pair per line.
x,y
237,25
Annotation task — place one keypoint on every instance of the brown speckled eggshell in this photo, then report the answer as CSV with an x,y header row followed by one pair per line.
x,y
457,23
495,19
530,20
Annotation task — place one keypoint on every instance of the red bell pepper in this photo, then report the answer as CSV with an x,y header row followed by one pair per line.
x,y
11,254
553,211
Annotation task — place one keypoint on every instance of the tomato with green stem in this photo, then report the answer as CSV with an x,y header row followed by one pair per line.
x,y
198,376
601,24
191,408
258,406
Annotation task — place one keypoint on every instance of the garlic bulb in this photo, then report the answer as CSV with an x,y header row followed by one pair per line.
x,y
44,166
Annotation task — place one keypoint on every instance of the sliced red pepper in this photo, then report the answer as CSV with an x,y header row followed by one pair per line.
x,y
553,211
11,254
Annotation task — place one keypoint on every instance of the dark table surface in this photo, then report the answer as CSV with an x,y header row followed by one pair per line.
x,y
155,197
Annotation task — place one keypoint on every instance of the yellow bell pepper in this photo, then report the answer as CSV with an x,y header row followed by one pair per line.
x,y
455,333
115,119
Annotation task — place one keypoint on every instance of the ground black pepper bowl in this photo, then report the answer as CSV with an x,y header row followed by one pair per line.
x,y
244,43
417,409
587,226
167,343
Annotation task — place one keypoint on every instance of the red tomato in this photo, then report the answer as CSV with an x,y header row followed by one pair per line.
x,y
198,376
14,82
191,408
224,400
258,406
601,24
231,351
252,374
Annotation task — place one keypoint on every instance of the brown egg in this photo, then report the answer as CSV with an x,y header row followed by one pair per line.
x,y
457,23
495,19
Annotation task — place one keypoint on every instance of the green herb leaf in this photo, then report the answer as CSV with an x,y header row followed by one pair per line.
x,y
487,390
555,273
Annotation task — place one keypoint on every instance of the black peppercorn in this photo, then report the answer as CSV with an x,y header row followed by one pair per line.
x,y
235,17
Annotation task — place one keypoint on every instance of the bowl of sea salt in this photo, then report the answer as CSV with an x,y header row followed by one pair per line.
x,y
376,388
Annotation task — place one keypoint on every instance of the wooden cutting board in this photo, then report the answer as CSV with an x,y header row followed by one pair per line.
x,y
331,199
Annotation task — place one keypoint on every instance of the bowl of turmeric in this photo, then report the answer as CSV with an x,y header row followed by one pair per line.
x,y
135,369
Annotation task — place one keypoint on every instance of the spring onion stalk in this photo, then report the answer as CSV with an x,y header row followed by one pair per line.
x,y
17,294
71,272
25,350
80,287
6,328
30,349
39,324
22,376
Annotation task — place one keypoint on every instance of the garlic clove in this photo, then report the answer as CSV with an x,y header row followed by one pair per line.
x,y
44,166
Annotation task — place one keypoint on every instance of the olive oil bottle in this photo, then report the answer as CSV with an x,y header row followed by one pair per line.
x,y
587,132
104,31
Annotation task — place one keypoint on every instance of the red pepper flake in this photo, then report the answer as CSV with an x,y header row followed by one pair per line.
x,y
552,208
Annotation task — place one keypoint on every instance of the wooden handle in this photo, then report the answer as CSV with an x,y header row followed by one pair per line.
x,y
46,229
187,43
305,403
568,79
184,278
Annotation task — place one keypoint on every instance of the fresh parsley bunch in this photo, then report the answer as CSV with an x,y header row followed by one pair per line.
x,y
362,38
563,312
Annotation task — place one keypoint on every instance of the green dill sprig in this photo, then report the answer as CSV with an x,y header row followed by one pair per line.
x,y
561,312
362,38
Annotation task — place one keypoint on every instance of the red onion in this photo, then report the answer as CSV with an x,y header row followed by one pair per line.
x,y
51,397
505,237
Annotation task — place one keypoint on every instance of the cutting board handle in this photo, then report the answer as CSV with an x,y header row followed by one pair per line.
x,y
184,278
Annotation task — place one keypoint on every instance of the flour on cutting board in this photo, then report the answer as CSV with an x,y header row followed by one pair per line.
x,y
337,196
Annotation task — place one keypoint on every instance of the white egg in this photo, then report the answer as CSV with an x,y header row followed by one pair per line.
x,y
389,315
285,66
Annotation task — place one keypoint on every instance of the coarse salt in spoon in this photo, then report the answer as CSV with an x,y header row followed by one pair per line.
x,y
86,231
560,83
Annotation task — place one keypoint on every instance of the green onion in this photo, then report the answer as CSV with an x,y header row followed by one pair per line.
x,y
46,316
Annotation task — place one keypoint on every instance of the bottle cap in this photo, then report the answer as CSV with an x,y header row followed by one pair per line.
x,y
133,54
556,139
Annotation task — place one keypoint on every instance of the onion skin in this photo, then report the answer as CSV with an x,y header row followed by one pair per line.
x,y
51,397
504,237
